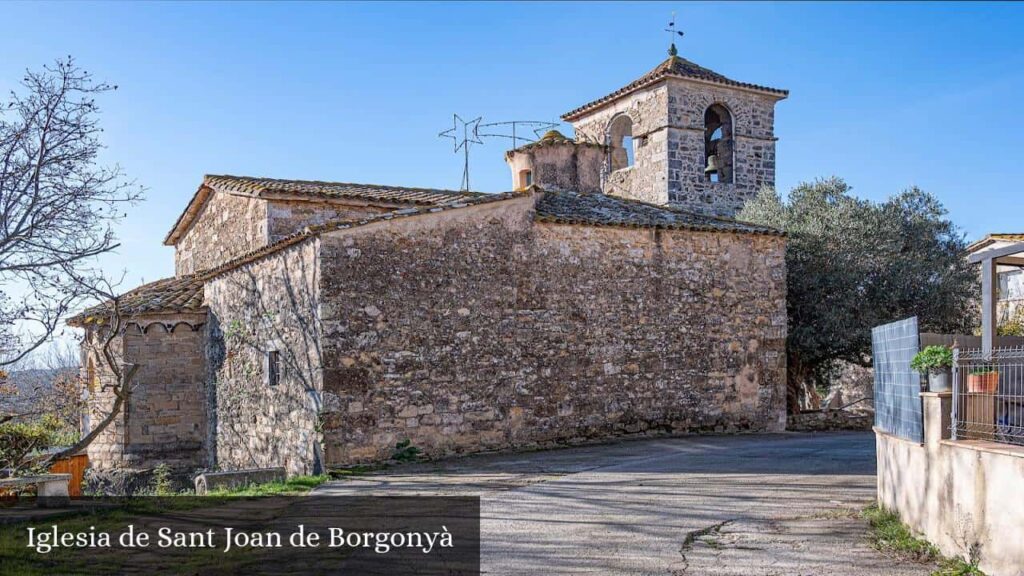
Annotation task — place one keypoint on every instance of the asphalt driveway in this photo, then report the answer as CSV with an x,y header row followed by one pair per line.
x,y
757,505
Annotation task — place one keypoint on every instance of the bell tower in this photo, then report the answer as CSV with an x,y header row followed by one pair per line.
x,y
684,135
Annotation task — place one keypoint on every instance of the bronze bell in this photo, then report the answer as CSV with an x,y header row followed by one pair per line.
x,y
712,165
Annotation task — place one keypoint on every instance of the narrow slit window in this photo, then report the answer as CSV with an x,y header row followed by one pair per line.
x,y
273,368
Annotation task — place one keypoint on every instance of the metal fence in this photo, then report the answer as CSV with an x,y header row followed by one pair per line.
x,y
988,395
897,387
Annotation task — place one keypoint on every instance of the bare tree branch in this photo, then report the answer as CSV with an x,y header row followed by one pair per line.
x,y
58,207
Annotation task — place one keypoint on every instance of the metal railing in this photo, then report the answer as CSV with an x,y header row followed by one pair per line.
x,y
988,395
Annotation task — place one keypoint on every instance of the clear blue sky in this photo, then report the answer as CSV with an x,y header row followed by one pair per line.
x,y
884,95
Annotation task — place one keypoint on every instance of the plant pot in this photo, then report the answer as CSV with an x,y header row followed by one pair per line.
x,y
986,383
939,381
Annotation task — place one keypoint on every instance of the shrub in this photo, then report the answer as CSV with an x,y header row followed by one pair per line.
x,y
405,451
932,358
20,439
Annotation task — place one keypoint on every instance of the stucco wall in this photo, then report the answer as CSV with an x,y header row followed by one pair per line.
x,y
226,227
269,304
958,494
479,329
165,417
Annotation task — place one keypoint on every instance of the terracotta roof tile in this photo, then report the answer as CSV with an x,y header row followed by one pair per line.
x,y
993,238
257,187
675,67
185,294
604,210
168,295
371,192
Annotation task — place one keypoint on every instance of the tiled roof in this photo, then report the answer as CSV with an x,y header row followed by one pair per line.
x,y
259,187
392,194
603,210
993,238
168,295
185,294
676,67
343,224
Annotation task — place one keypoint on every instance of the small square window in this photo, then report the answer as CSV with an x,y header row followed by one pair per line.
x,y
273,368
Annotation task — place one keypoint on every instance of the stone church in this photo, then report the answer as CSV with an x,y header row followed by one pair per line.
x,y
315,324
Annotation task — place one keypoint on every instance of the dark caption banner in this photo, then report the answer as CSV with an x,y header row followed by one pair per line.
x,y
307,535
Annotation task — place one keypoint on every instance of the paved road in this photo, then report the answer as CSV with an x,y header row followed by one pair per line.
x,y
755,505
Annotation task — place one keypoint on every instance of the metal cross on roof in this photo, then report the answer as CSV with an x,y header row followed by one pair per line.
x,y
463,142
672,35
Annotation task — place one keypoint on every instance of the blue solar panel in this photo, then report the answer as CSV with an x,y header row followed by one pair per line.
x,y
897,387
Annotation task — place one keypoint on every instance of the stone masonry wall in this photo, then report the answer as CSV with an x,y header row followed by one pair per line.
x,y
289,216
753,117
228,226
559,166
165,417
647,179
668,134
269,305
480,329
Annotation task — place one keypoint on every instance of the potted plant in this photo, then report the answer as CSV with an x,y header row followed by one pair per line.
x,y
983,380
936,362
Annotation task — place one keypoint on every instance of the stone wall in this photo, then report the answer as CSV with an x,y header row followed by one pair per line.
x,y
668,135
289,216
229,226
480,329
268,305
753,118
647,179
164,420
559,166
828,420
226,227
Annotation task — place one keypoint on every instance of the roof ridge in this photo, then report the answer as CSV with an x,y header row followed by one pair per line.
x,y
668,67
608,210
260,179
346,223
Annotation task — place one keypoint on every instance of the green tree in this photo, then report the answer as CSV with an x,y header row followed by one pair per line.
x,y
853,264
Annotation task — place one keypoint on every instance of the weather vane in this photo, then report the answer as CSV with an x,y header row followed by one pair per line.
x,y
672,35
463,142
473,132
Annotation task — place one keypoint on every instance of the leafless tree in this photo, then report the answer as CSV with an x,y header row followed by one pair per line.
x,y
58,206
104,354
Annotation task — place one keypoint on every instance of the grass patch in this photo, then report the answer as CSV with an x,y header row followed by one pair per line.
x,y
356,470
294,485
890,535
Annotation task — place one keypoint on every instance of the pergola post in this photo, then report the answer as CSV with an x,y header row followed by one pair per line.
x,y
990,260
989,297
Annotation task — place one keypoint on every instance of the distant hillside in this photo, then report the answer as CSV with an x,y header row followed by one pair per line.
x,y
30,384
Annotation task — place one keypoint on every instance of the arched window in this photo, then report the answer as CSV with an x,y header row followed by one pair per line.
x,y
620,143
92,380
718,144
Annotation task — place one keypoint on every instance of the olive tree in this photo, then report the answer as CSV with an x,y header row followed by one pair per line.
x,y
853,264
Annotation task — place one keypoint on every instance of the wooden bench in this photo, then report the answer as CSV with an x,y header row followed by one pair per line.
x,y
51,489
